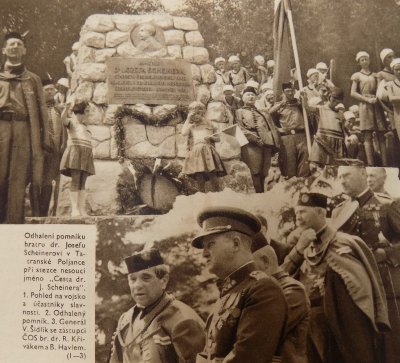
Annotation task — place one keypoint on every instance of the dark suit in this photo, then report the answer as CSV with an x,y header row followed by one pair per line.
x,y
171,332
248,322
376,216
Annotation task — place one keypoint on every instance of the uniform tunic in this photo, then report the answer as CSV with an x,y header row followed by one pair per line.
x,y
374,217
293,153
347,298
171,332
248,321
371,116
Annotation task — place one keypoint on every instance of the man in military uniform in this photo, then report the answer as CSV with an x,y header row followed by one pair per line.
x,y
248,321
294,348
293,153
262,135
375,218
339,272
376,179
159,328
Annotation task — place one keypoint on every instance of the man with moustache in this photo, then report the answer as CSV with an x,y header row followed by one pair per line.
x,y
374,217
248,321
24,133
348,306
159,328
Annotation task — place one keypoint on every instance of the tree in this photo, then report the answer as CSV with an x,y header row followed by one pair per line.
x,y
54,25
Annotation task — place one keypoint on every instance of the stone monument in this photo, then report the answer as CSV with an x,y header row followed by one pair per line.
x,y
154,64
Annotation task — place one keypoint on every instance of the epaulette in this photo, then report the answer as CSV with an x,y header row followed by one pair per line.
x,y
258,275
383,198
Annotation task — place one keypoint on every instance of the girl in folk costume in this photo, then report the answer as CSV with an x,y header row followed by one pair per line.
x,y
372,119
77,160
202,161
238,75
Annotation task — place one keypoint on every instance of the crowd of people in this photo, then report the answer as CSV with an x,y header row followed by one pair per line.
x,y
42,136
330,292
310,127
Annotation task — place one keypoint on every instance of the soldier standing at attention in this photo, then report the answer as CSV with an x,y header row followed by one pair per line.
x,y
293,153
375,218
159,328
339,272
262,135
248,321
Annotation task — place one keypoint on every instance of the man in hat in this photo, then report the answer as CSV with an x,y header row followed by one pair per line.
x,y
266,99
329,143
294,348
24,133
374,217
262,135
249,318
348,306
158,328
231,102
293,153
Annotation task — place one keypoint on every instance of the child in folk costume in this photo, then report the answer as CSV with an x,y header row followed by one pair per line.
x,y
238,75
372,119
202,161
77,160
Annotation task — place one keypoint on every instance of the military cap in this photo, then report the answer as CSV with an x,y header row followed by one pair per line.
x,y
384,53
217,220
361,54
312,200
259,241
46,82
349,162
143,260
14,35
249,89
287,85
394,62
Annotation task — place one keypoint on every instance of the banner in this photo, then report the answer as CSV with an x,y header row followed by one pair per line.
x,y
282,52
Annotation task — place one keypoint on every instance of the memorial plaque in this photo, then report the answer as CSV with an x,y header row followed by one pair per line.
x,y
149,81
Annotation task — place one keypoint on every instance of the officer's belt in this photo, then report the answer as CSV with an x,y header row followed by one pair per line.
x,y
12,116
292,132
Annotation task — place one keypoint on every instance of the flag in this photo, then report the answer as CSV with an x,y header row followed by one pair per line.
x,y
237,133
282,48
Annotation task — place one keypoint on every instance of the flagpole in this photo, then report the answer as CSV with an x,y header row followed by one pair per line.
x,y
298,71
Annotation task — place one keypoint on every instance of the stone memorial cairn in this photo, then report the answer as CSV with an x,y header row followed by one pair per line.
x,y
104,36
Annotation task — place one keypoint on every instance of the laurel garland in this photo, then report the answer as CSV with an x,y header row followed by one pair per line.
x,y
155,120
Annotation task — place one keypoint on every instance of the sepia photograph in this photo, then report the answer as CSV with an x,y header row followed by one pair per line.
x,y
238,161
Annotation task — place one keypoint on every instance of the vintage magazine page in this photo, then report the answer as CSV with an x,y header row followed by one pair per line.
x,y
200,181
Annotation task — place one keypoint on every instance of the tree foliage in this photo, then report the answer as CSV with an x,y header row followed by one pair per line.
x,y
54,25
325,30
